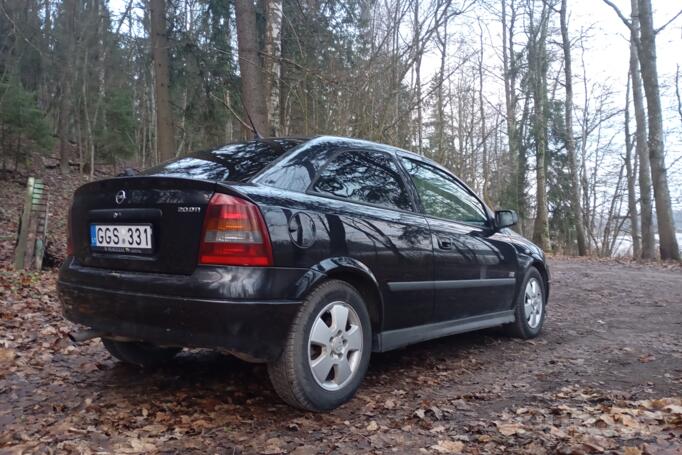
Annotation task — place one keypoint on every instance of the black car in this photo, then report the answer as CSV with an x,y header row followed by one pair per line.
x,y
307,254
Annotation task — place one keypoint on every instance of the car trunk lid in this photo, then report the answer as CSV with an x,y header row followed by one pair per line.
x,y
167,202
172,208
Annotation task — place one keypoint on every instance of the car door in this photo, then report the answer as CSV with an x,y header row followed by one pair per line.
x,y
474,271
370,215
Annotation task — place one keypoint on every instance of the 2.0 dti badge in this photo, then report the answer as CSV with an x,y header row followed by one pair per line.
x,y
307,254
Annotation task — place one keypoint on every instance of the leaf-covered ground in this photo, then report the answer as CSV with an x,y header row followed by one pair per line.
x,y
606,376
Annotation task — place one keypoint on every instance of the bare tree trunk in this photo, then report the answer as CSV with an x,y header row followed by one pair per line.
x,y
515,151
65,85
677,92
273,55
90,141
100,62
632,196
537,63
481,106
609,232
647,55
249,65
228,123
570,140
442,40
418,76
641,146
63,127
165,138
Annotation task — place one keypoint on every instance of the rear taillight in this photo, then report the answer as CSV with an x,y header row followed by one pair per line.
x,y
234,233
69,237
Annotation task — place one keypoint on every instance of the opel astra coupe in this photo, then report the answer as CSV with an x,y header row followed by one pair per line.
x,y
307,254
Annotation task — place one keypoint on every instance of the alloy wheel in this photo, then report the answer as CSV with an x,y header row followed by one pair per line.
x,y
335,345
533,303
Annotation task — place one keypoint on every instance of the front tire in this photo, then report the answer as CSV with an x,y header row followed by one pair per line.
x,y
138,353
530,307
327,352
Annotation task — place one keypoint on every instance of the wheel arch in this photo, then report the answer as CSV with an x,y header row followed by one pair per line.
x,y
526,260
542,268
357,275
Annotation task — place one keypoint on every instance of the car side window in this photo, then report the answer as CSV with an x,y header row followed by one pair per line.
x,y
368,177
442,196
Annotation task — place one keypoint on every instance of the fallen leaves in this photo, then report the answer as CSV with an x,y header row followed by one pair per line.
x,y
448,447
646,358
433,412
509,429
141,446
273,446
7,356
585,423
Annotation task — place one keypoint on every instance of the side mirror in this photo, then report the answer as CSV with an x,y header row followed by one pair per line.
x,y
505,218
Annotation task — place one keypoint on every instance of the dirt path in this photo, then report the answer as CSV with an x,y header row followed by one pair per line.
x,y
595,381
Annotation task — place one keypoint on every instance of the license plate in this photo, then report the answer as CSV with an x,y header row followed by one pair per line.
x,y
121,238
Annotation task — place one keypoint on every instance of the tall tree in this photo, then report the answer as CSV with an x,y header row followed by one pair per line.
x,y
677,91
537,74
630,164
569,138
250,69
416,36
643,35
482,115
440,120
165,136
669,248
66,44
641,147
509,62
272,60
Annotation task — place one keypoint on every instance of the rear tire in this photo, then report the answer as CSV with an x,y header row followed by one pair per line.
x,y
530,308
145,355
326,354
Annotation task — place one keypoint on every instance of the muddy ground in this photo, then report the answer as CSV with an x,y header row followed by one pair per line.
x,y
605,376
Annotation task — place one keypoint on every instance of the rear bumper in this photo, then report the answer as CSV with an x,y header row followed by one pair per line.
x,y
214,307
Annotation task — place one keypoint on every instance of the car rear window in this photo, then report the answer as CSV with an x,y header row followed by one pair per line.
x,y
233,162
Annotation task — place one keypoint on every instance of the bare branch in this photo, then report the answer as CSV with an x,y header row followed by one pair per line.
x,y
229,108
617,10
675,161
659,29
124,16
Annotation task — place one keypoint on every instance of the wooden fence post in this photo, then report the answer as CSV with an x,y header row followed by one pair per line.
x,y
33,226
23,226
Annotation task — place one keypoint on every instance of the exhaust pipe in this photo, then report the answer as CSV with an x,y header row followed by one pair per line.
x,y
85,335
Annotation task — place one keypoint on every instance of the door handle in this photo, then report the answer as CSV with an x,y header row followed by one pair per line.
x,y
445,243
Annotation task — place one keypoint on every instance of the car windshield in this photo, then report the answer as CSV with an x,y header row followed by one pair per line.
x,y
233,162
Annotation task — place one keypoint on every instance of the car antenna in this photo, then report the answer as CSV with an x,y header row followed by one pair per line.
x,y
253,127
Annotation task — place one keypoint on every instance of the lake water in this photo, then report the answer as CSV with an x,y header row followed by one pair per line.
x,y
624,244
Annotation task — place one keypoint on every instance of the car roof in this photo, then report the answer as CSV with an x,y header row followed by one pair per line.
x,y
366,144
362,144
350,142
345,141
